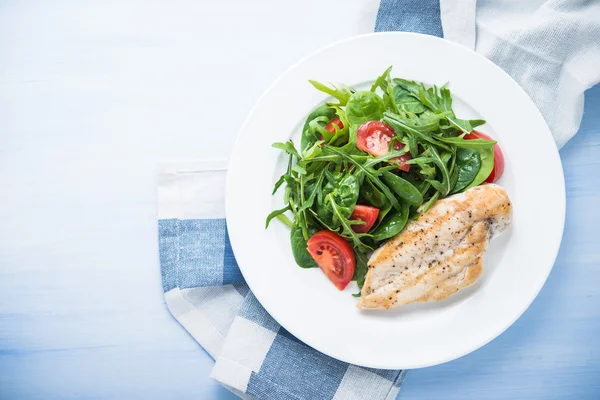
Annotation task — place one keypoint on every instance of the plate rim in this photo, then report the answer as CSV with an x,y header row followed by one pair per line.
x,y
556,155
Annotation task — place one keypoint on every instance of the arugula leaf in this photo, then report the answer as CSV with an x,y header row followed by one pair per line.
x,y
364,106
370,173
342,94
346,225
288,147
406,102
276,213
382,80
341,135
416,128
470,144
476,122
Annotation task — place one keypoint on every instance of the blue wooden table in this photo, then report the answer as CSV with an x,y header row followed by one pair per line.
x,y
94,94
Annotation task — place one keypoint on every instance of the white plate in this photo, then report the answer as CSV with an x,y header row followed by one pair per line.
x,y
418,335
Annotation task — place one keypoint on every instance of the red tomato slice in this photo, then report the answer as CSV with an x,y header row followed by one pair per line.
x,y
374,137
401,161
364,213
498,156
330,125
334,256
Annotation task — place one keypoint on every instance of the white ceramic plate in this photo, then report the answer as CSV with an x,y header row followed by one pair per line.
x,y
418,335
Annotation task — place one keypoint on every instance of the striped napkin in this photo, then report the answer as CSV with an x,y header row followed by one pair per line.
x,y
554,54
204,289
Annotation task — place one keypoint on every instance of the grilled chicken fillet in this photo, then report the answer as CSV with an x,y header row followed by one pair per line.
x,y
439,253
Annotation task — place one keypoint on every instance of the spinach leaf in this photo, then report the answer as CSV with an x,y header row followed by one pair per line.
x,y
299,248
372,195
360,271
342,94
309,136
364,106
487,164
403,188
392,225
468,164
344,191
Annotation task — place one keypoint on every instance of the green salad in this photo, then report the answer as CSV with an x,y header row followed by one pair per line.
x,y
367,163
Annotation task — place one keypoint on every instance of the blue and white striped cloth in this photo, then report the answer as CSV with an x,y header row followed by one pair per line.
x,y
554,55
204,289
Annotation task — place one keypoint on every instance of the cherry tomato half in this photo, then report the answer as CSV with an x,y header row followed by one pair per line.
x,y
498,156
374,137
330,125
334,256
401,161
367,214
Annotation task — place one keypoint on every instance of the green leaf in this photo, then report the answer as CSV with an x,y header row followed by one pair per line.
x,y
476,122
299,248
372,195
460,124
299,169
345,190
309,136
406,102
347,231
392,225
417,128
340,136
288,147
467,166
364,106
342,94
487,164
276,213
403,188
369,172
471,144
382,80
311,190
431,201
360,272
278,183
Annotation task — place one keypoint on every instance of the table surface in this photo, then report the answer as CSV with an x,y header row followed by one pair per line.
x,y
94,94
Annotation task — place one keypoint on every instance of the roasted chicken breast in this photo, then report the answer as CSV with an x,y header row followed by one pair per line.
x,y
439,253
